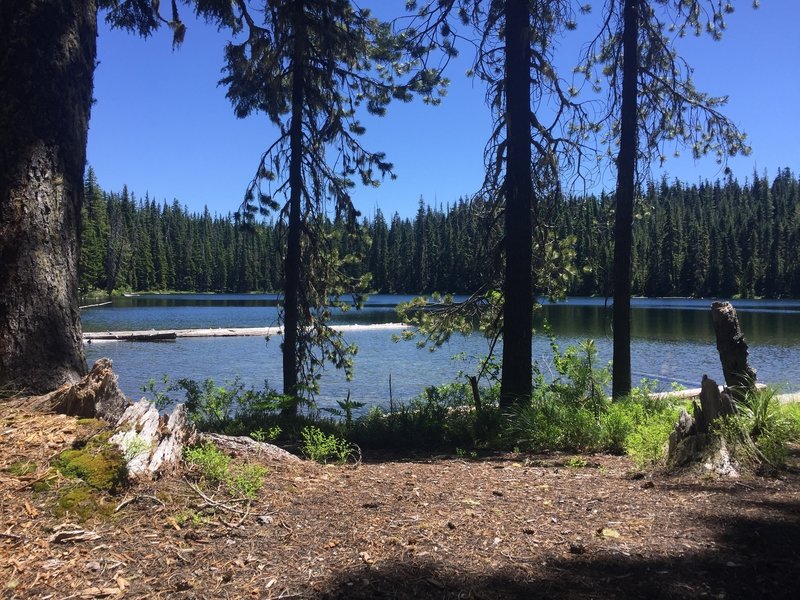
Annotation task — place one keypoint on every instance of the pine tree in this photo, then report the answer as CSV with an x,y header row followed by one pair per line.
x,y
311,66
657,103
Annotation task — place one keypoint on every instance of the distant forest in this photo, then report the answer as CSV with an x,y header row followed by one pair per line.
x,y
713,239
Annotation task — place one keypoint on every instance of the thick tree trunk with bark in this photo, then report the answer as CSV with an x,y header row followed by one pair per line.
x,y
518,301
740,377
623,218
47,58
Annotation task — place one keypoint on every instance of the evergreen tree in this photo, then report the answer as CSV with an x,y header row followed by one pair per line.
x,y
311,66
653,92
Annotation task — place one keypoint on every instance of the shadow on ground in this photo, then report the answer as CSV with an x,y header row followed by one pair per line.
x,y
749,558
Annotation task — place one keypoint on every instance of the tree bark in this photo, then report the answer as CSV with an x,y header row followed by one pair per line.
x,y
47,58
291,317
623,219
740,377
517,367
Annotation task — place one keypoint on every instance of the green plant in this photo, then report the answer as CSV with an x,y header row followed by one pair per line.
x,y
345,410
21,467
648,437
320,447
212,463
762,411
270,435
247,481
159,396
192,517
216,467
576,462
762,429
133,447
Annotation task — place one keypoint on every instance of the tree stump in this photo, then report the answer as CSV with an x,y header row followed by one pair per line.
x,y
692,442
150,443
96,395
732,348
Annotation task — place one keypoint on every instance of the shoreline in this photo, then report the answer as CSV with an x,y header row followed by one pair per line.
x,y
169,334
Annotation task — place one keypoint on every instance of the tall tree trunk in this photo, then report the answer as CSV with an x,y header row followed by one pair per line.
x,y
623,220
518,308
291,317
47,57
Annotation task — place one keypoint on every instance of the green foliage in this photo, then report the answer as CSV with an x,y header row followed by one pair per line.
x,y
212,463
322,447
573,413
678,237
648,436
762,429
231,406
21,467
217,468
270,435
345,410
247,481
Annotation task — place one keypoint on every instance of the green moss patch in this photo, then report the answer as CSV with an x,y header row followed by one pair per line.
x,y
83,502
21,467
101,468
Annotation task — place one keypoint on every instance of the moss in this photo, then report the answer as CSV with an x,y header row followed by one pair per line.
x,y
101,468
21,467
82,501
93,423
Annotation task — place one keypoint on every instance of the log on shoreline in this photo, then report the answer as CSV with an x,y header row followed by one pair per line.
x,y
151,335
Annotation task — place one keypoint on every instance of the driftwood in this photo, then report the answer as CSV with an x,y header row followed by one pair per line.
x,y
740,377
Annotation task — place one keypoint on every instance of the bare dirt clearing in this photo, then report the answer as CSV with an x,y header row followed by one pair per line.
x,y
507,526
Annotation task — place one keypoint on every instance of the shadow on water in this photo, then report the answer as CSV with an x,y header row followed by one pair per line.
x,y
743,557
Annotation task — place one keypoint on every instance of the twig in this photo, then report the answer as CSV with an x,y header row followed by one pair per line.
x,y
214,503
241,520
127,501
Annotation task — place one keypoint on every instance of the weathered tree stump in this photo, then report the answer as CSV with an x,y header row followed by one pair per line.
x,y
96,395
692,442
151,443
732,347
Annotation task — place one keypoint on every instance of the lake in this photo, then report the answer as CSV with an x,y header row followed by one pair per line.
x,y
672,341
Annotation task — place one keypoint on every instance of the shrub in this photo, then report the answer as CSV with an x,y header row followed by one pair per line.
x,y
216,467
321,447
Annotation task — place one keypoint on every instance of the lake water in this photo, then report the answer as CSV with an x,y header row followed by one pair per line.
x,y
673,341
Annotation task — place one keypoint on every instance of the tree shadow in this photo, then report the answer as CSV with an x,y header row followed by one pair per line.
x,y
753,555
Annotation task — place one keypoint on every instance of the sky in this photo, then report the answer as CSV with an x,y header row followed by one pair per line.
x,y
161,123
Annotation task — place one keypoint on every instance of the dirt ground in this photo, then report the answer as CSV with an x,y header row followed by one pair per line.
x,y
506,526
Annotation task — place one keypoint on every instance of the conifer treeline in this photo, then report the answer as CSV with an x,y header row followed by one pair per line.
x,y
713,239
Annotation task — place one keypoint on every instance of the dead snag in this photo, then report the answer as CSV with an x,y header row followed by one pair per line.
x,y
739,376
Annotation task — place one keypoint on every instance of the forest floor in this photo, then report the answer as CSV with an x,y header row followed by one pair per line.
x,y
500,526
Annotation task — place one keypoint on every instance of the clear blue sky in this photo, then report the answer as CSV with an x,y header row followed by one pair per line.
x,y
162,125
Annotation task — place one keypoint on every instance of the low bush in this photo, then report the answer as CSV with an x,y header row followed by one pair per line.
x,y
216,468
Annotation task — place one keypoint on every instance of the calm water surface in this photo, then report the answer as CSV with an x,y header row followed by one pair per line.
x,y
673,340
